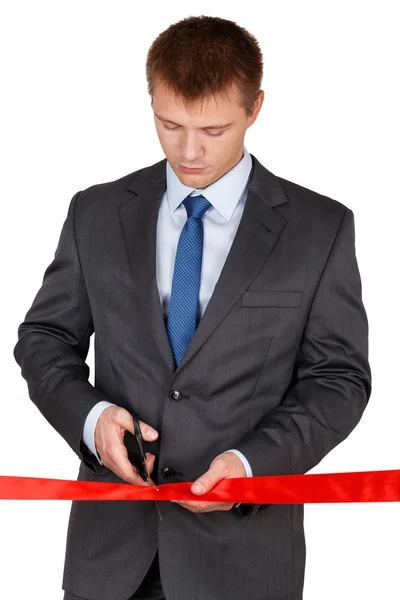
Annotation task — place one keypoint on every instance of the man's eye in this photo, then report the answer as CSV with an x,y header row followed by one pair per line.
x,y
208,133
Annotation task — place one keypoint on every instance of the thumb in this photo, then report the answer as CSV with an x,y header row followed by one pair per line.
x,y
148,433
207,481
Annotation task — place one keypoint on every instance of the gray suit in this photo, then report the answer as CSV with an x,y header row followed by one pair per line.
x,y
277,368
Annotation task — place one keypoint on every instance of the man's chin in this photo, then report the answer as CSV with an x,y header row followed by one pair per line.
x,y
196,181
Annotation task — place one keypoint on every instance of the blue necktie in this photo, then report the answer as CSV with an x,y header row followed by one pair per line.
x,y
182,314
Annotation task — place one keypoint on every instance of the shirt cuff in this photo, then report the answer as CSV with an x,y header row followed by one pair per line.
x,y
90,426
246,465
244,460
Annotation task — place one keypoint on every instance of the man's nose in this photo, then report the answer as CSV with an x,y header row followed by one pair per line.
x,y
191,149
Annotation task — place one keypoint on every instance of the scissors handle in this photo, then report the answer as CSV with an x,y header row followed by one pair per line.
x,y
139,439
134,446
137,455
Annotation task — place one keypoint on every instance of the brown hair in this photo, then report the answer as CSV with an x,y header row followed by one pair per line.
x,y
202,56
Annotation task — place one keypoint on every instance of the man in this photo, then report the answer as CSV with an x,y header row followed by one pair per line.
x,y
227,308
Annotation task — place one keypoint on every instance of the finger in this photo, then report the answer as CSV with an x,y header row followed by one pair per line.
x,y
121,465
125,420
204,506
193,504
186,506
208,480
150,460
148,433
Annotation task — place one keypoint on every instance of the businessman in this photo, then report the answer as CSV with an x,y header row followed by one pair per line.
x,y
226,303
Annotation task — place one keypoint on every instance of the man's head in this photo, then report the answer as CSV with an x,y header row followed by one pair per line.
x,y
204,76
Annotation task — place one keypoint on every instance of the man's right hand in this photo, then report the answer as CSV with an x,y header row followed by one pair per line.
x,y
109,440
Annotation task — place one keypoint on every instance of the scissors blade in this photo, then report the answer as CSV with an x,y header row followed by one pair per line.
x,y
152,483
139,440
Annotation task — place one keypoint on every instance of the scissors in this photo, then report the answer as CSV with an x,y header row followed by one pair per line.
x,y
137,456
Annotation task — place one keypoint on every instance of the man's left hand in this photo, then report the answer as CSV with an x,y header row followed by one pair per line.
x,y
224,466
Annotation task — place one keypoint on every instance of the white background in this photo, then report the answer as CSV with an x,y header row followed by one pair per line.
x,y
75,112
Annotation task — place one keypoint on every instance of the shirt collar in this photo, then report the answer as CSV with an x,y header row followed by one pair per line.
x,y
223,194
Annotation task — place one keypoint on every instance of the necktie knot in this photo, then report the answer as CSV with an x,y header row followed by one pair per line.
x,y
196,206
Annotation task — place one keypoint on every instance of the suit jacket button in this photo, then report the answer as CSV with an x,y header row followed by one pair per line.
x,y
174,395
168,472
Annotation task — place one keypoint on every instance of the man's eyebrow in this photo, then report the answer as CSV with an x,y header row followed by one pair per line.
x,y
206,127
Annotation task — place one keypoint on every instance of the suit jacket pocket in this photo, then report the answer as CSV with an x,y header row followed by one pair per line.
x,y
287,299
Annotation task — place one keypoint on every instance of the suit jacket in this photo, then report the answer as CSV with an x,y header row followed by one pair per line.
x,y
277,368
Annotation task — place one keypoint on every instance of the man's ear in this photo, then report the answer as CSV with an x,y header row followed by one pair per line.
x,y
258,102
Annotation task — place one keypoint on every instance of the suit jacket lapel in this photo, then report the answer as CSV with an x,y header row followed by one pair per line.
x,y
257,234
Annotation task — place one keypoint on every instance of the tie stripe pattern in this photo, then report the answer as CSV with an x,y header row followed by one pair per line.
x,y
183,308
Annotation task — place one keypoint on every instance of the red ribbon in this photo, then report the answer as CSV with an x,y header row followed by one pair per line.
x,y
366,486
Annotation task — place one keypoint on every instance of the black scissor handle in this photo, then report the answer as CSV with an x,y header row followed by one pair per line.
x,y
134,446
139,439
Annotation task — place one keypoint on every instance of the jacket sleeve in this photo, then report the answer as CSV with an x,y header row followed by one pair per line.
x,y
53,342
331,382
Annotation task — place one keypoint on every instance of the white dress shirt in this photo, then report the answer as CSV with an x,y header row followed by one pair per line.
x,y
227,196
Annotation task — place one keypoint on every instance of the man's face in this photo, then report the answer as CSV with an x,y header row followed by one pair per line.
x,y
210,138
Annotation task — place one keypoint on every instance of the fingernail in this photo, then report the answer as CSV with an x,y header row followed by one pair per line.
x,y
151,434
198,487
